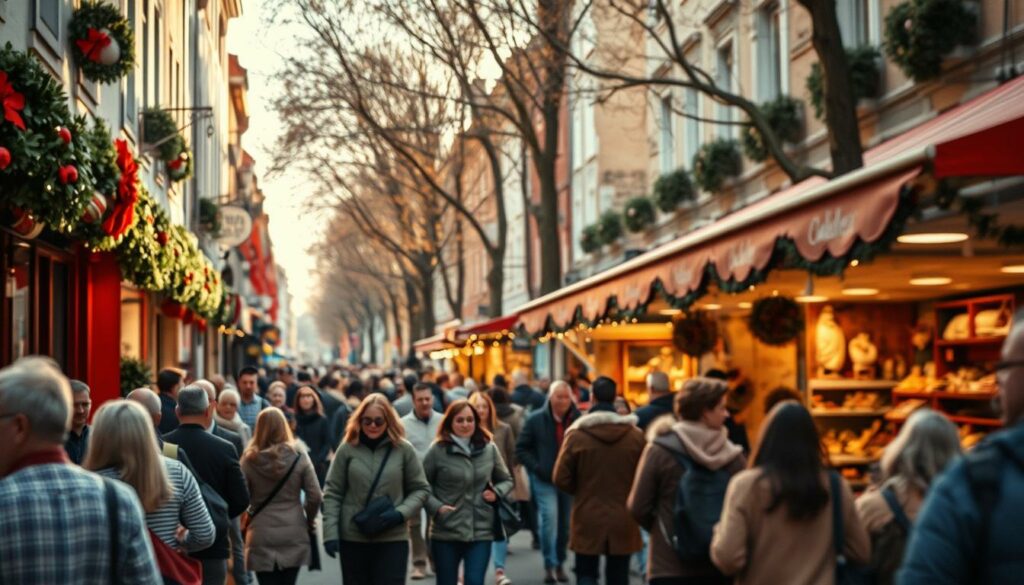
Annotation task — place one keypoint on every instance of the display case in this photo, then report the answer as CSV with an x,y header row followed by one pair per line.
x,y
640,358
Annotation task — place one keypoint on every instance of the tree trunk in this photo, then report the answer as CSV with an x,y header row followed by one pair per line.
x,y
547,227
496,250
527,205
427,299
840,106
371,336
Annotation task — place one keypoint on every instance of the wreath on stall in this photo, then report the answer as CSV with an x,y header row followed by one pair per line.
x,y
865,78
45,177
776,320
920,33
715,162
672,190
783,117
639,214
103,42
694,333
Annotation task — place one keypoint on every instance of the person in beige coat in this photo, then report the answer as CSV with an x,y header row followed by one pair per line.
x,y
699,434
277,543
776,524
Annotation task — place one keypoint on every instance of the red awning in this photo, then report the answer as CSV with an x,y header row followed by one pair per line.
x,y
432,343
495,325
977,138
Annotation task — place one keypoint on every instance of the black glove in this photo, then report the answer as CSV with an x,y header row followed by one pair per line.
x,y
331,548
392,518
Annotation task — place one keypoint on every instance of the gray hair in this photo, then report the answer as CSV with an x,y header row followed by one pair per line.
x,y
559,386
211,390
35,388
519,378
79,387
147,398
657,382
193,401
470,385
230,394
926,444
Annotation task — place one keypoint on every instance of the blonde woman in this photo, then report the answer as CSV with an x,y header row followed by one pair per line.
x,y
375,469
123,446
277,543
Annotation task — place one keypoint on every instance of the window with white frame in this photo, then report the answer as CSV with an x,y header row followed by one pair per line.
x,y
725,79
854,18
770,52
666,150
691,124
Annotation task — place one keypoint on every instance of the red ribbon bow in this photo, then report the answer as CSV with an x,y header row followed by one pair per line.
x,y
175,164
93,44
123,212
12,102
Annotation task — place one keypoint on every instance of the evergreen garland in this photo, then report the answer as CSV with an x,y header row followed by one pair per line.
x,y
715,162
672,190
639,214
920,33
103,43
865,78
783,116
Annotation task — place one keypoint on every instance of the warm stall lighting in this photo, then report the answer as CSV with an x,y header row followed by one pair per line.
x,y
745,305
929,280
810,298
1012,268
712,307
933,238
860,292
854,263
670,312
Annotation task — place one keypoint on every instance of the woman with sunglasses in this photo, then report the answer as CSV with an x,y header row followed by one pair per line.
x,y
373,485
468,475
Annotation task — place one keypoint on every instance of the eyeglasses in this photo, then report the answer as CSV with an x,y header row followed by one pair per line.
x,y
372,421
1006,365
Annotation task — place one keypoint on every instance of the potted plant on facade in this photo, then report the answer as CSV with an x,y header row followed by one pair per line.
x,y
865,78
209,216
134,374
919,34
716,162
784,117
672,190
639,214
160,132
609,227
103,44
590,242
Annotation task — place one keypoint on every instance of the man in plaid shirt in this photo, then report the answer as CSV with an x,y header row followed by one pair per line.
x,y
55,522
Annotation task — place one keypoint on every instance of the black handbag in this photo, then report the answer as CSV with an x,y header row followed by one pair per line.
x,y
376,515
507,520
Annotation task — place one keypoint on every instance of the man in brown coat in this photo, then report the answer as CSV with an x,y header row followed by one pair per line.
x,y
596,466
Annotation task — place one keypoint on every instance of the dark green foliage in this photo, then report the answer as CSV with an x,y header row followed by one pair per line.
x,y
715,162
694,334
776,320
920,33
208,216
134,374
865,78
589,240
783,115
157,126
639,214
609,227
673,189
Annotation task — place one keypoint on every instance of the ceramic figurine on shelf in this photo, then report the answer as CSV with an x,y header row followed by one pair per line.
x,y
864,355
831,344
921,339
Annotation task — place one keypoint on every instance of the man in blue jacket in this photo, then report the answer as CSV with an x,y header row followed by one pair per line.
x,y
968,529
537,449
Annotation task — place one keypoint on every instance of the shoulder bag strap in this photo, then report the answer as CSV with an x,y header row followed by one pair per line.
x,y
897,510
113,520
277,488
837,518
376,480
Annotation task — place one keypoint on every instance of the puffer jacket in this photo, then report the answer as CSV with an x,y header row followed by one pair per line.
x,y
459,479
348,483
944,546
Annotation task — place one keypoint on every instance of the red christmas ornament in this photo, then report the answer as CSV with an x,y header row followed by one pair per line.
x,y
67,174
64,134
188,317
162,238
5,158
173,309
200,323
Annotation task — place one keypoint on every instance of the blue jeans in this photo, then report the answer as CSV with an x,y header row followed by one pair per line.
x,y
500,552
448,555
553,508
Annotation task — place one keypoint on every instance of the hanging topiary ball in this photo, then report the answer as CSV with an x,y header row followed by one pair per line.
x,y
694,333
776,320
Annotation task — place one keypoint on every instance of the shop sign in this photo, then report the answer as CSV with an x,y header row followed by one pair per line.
x,y
833,225
741,256
235,225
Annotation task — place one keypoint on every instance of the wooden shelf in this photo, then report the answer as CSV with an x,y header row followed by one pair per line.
x,y
975,420
946,395
971,341
845,460
847,412
821,384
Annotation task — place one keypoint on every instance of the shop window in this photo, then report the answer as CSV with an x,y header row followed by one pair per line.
x,y
144,59
691,124
854,22
133,324
667,149
48,14
128,103
725,79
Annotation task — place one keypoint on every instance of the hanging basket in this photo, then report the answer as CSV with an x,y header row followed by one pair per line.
x,y
776,320
103,43
26,225
694,334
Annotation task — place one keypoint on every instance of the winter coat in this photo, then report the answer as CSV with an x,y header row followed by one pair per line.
x,y
653,497
421,434
315,430
944,547
525,396
278,535
596,466
537,447
513,415
348,483
750,542
658,407
504,439
459,479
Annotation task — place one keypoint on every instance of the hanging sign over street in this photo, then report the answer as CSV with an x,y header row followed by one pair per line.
x,y
235,225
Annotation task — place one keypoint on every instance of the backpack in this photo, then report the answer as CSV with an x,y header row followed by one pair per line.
x,y
700,495
215,504
175,568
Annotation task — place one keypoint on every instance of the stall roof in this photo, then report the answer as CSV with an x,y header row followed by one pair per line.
x,y
432,343
495,325
977,138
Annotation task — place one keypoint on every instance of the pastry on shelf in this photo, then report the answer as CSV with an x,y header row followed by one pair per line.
x,y
914,382
904,409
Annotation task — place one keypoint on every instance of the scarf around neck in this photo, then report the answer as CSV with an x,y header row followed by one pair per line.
x,y
707,447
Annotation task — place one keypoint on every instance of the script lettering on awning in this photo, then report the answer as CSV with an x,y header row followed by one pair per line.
x,y
832,225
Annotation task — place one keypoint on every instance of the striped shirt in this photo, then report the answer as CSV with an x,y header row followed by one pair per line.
x,y
53,529
186,507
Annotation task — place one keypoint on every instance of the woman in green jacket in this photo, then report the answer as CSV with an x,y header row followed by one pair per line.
x,y
467,475
373,461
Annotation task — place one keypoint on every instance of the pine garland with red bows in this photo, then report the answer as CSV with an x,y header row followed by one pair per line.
x,y
104,44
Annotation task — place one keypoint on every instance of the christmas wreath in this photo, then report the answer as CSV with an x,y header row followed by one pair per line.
x,y
589,239
44,175
609,227
776,320
783,116
694,334
161,131
920,33
673,189
104,45
179,168
715,162
639,214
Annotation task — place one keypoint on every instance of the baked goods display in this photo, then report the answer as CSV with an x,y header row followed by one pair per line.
x,y
867,443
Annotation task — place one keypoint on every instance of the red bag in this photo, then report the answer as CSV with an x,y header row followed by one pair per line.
x,y
175,568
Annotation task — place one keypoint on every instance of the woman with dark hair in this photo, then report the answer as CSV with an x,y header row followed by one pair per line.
x,y
467,474
312,427
699,438
781,508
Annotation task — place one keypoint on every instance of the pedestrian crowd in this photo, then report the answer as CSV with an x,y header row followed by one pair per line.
x,y
203,479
